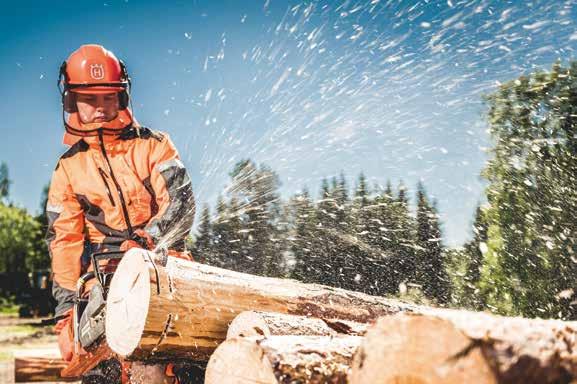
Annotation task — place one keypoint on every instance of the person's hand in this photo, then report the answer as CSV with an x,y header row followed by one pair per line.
x,y
144,238
128,244
186,255
65,336
141,239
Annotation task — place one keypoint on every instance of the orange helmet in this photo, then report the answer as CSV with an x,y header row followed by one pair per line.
x,y
93,69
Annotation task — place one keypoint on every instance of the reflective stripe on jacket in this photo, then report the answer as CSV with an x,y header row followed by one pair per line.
x,y
104,188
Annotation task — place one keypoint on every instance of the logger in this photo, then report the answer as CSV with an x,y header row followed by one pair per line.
x,y
120,185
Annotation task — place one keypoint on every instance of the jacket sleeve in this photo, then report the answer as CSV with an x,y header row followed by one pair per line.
x,y
65,238
173,192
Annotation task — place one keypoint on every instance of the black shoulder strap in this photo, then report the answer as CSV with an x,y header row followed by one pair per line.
x,y
133,132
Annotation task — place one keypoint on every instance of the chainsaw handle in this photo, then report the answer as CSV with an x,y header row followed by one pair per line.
x,y
97,257
80,285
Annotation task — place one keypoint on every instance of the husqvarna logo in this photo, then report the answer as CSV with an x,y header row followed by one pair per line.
x,y
97,71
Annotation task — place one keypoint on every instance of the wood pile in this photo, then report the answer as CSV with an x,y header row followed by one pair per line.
x,y
254,329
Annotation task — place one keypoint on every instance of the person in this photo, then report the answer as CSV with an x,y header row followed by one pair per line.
x,y
119,185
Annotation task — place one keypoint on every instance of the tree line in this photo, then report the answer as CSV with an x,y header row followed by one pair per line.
x,y
367,240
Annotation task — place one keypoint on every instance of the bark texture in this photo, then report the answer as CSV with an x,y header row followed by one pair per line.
x,y
282,359
445,346
254,323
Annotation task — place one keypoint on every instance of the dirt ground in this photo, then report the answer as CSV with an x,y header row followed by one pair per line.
x,y
23,336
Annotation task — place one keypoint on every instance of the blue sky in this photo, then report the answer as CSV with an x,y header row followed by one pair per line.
x,y
391,88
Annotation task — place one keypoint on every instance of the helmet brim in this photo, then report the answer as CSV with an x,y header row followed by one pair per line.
x,y
97,90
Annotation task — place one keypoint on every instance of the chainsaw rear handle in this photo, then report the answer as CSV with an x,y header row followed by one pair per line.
x,y
80,285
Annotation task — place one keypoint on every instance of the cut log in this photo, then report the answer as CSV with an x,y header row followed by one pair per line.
x,y
44,366
254,323
282,359
466,347
184,309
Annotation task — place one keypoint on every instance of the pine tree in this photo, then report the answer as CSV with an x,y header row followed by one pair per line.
x,y
340,197
422,266
326,206
402,233
4,182
258,187
236,240
203,251
360,271
303,247
475,252
221,235
430,268
387,277
362,191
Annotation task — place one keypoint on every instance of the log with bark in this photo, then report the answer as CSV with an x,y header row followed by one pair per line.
x,y
43,366
184,309
466,347
255,323
282,359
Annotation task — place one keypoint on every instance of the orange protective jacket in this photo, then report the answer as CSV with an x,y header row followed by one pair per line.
x,y
105,188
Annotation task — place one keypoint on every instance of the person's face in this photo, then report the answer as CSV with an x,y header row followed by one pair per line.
x,y
97,108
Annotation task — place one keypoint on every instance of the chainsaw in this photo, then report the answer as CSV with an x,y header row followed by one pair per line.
x,y
92,356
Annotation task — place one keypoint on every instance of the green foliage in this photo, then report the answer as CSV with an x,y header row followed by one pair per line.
x,y
246,234
22,246
456,265
202,246
473,257
430,266
530,266
19,251
4,182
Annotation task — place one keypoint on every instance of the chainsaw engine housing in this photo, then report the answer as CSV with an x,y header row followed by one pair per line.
x,y
91,325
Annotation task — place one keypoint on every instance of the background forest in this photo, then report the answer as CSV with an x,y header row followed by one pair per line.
x,y
388,240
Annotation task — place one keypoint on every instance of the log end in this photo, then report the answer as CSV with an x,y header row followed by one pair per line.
x,y
128,301
283,359
239,361
419,349
247,324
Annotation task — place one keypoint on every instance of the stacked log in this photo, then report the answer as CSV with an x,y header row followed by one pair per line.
x,y
466,347
282,359
183,310
266,347
39,365
266,324
280,331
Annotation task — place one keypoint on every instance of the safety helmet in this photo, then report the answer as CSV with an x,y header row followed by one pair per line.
x,y
92,69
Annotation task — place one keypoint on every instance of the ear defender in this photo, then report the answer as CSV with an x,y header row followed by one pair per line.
x,y
123,100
